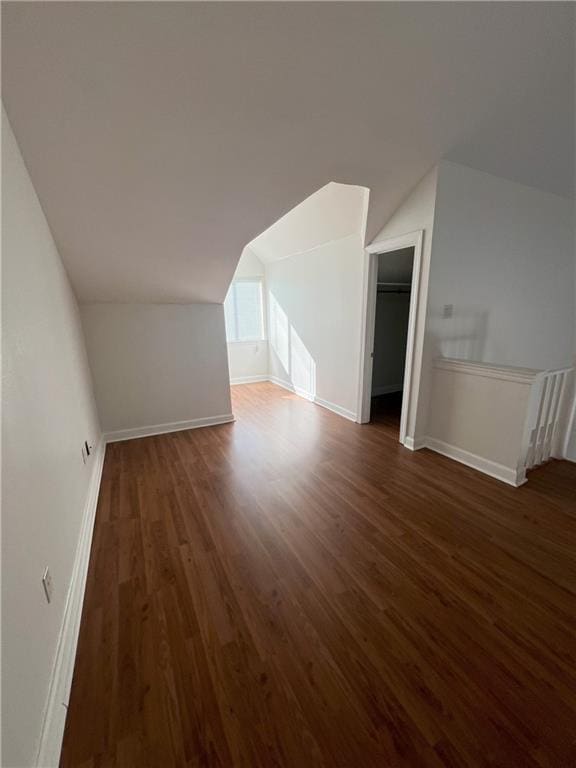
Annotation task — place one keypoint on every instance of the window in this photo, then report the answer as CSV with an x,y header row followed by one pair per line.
x,y
243,311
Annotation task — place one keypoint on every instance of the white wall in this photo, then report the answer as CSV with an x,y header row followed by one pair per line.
x,y
314,306
248,360
48,412
503,257
333,212
417,213
156,364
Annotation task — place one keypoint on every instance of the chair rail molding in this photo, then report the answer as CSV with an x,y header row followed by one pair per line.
x,y
503,372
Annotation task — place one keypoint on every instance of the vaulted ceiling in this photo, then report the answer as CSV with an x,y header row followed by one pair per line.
x,y
331,213
162,137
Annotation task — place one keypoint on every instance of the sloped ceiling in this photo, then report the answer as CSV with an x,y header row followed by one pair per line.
x,y
162,137
333,212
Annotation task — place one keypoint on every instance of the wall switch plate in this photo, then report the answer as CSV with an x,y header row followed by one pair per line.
x,y
87,447
47,584
84,455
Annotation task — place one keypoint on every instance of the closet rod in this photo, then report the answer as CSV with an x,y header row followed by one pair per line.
x,y
393,287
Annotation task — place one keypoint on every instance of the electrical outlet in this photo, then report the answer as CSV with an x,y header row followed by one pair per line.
x,y
47,584
447,311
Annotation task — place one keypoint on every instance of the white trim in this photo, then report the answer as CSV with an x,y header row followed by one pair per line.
x,y
61,680
248,379
303,393
365,211
394,243
414,443
515,477
409,240
368,325
388,389
282,383
570,427
503,372
350,415
161,429
291,388
338,409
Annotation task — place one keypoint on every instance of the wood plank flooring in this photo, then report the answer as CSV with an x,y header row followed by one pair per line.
x,y
297,590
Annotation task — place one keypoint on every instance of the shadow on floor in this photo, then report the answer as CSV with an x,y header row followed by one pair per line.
x,y
386,409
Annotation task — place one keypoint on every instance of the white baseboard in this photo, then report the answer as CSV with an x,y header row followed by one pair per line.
x,y
281,383
314,399
291,388
161,429
499,471
61,680
386,390
336,409
414,443
248,379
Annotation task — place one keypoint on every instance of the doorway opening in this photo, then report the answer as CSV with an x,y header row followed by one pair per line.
x,y
393,289
388,374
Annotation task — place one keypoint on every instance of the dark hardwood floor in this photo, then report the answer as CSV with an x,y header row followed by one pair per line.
x,y
297,590
385,410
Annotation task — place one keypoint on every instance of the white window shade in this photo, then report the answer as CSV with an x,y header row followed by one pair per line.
x,y
243,311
